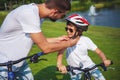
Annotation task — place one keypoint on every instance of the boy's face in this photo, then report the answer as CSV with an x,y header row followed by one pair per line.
x,y
70,29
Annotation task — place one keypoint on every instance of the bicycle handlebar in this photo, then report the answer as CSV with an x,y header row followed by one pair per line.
x,y
69,68
33,58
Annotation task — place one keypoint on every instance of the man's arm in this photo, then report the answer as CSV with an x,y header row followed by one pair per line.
x,y
58,39
47,47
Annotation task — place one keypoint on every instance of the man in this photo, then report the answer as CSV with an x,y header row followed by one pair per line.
x,y
21,28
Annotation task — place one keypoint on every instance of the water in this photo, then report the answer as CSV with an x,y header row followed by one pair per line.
x,y
106,17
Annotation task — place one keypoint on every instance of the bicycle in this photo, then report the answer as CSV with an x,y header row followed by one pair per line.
x,y
86,71
11,75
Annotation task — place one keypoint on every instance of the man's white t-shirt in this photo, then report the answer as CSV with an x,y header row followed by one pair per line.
x,y
15,41
78,55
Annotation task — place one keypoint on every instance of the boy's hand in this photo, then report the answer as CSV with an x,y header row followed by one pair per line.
x,y
62,69
107,62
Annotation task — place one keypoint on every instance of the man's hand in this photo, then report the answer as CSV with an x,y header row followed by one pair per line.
x,y
63,38
73,41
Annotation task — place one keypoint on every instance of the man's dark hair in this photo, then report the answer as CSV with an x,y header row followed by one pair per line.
x,y
63,5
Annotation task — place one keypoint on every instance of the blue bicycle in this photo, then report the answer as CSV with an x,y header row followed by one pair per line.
x,y
11,75
86,71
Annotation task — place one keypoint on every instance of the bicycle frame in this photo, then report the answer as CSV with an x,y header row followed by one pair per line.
x,y
9,64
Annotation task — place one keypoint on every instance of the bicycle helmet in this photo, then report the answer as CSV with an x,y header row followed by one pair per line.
x,y
79,21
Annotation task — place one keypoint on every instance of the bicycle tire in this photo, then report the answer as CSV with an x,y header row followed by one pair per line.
x,y
2,78
16,78
21,77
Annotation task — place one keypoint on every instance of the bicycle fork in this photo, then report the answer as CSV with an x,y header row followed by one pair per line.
x,y
10,72
87,76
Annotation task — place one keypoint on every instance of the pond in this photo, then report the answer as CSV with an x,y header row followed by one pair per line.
x,y
105,17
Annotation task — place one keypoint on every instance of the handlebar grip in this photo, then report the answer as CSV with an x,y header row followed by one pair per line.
x,y
34,58
104,67
40,53
111,63
57,69
68,68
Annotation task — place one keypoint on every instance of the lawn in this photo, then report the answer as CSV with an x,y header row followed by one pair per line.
x,y
107,39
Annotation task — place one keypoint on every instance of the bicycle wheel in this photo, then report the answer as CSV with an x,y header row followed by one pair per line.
x,y
2,78
21,77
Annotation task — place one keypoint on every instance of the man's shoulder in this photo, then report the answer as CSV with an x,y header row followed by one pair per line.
x,y
26,7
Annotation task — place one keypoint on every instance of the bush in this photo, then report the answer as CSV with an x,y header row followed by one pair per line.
x,y
2,16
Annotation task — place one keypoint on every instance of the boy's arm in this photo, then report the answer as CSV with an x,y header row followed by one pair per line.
x,y
60,66
59,58
106,61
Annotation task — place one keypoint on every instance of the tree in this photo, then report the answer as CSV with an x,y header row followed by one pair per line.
x,y
10,4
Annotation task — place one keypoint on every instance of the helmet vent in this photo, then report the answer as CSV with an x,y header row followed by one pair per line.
x,y
79,22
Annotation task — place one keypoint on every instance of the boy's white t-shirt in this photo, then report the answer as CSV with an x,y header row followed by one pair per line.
x,y
78,55
15,41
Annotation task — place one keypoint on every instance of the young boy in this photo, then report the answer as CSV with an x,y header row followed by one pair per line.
x,y
78,54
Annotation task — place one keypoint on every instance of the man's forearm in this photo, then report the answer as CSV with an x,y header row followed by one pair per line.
x,y
52,47
47,47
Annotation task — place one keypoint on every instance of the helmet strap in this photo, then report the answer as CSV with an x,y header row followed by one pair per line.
x,y
75,35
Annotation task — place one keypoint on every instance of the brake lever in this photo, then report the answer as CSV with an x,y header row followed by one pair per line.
x,y
43,59
104,67
34,58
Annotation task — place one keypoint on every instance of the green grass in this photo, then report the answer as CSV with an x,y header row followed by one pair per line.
x,y
107,39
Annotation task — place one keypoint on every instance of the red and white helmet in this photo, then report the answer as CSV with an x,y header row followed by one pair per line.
x,y
78,20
